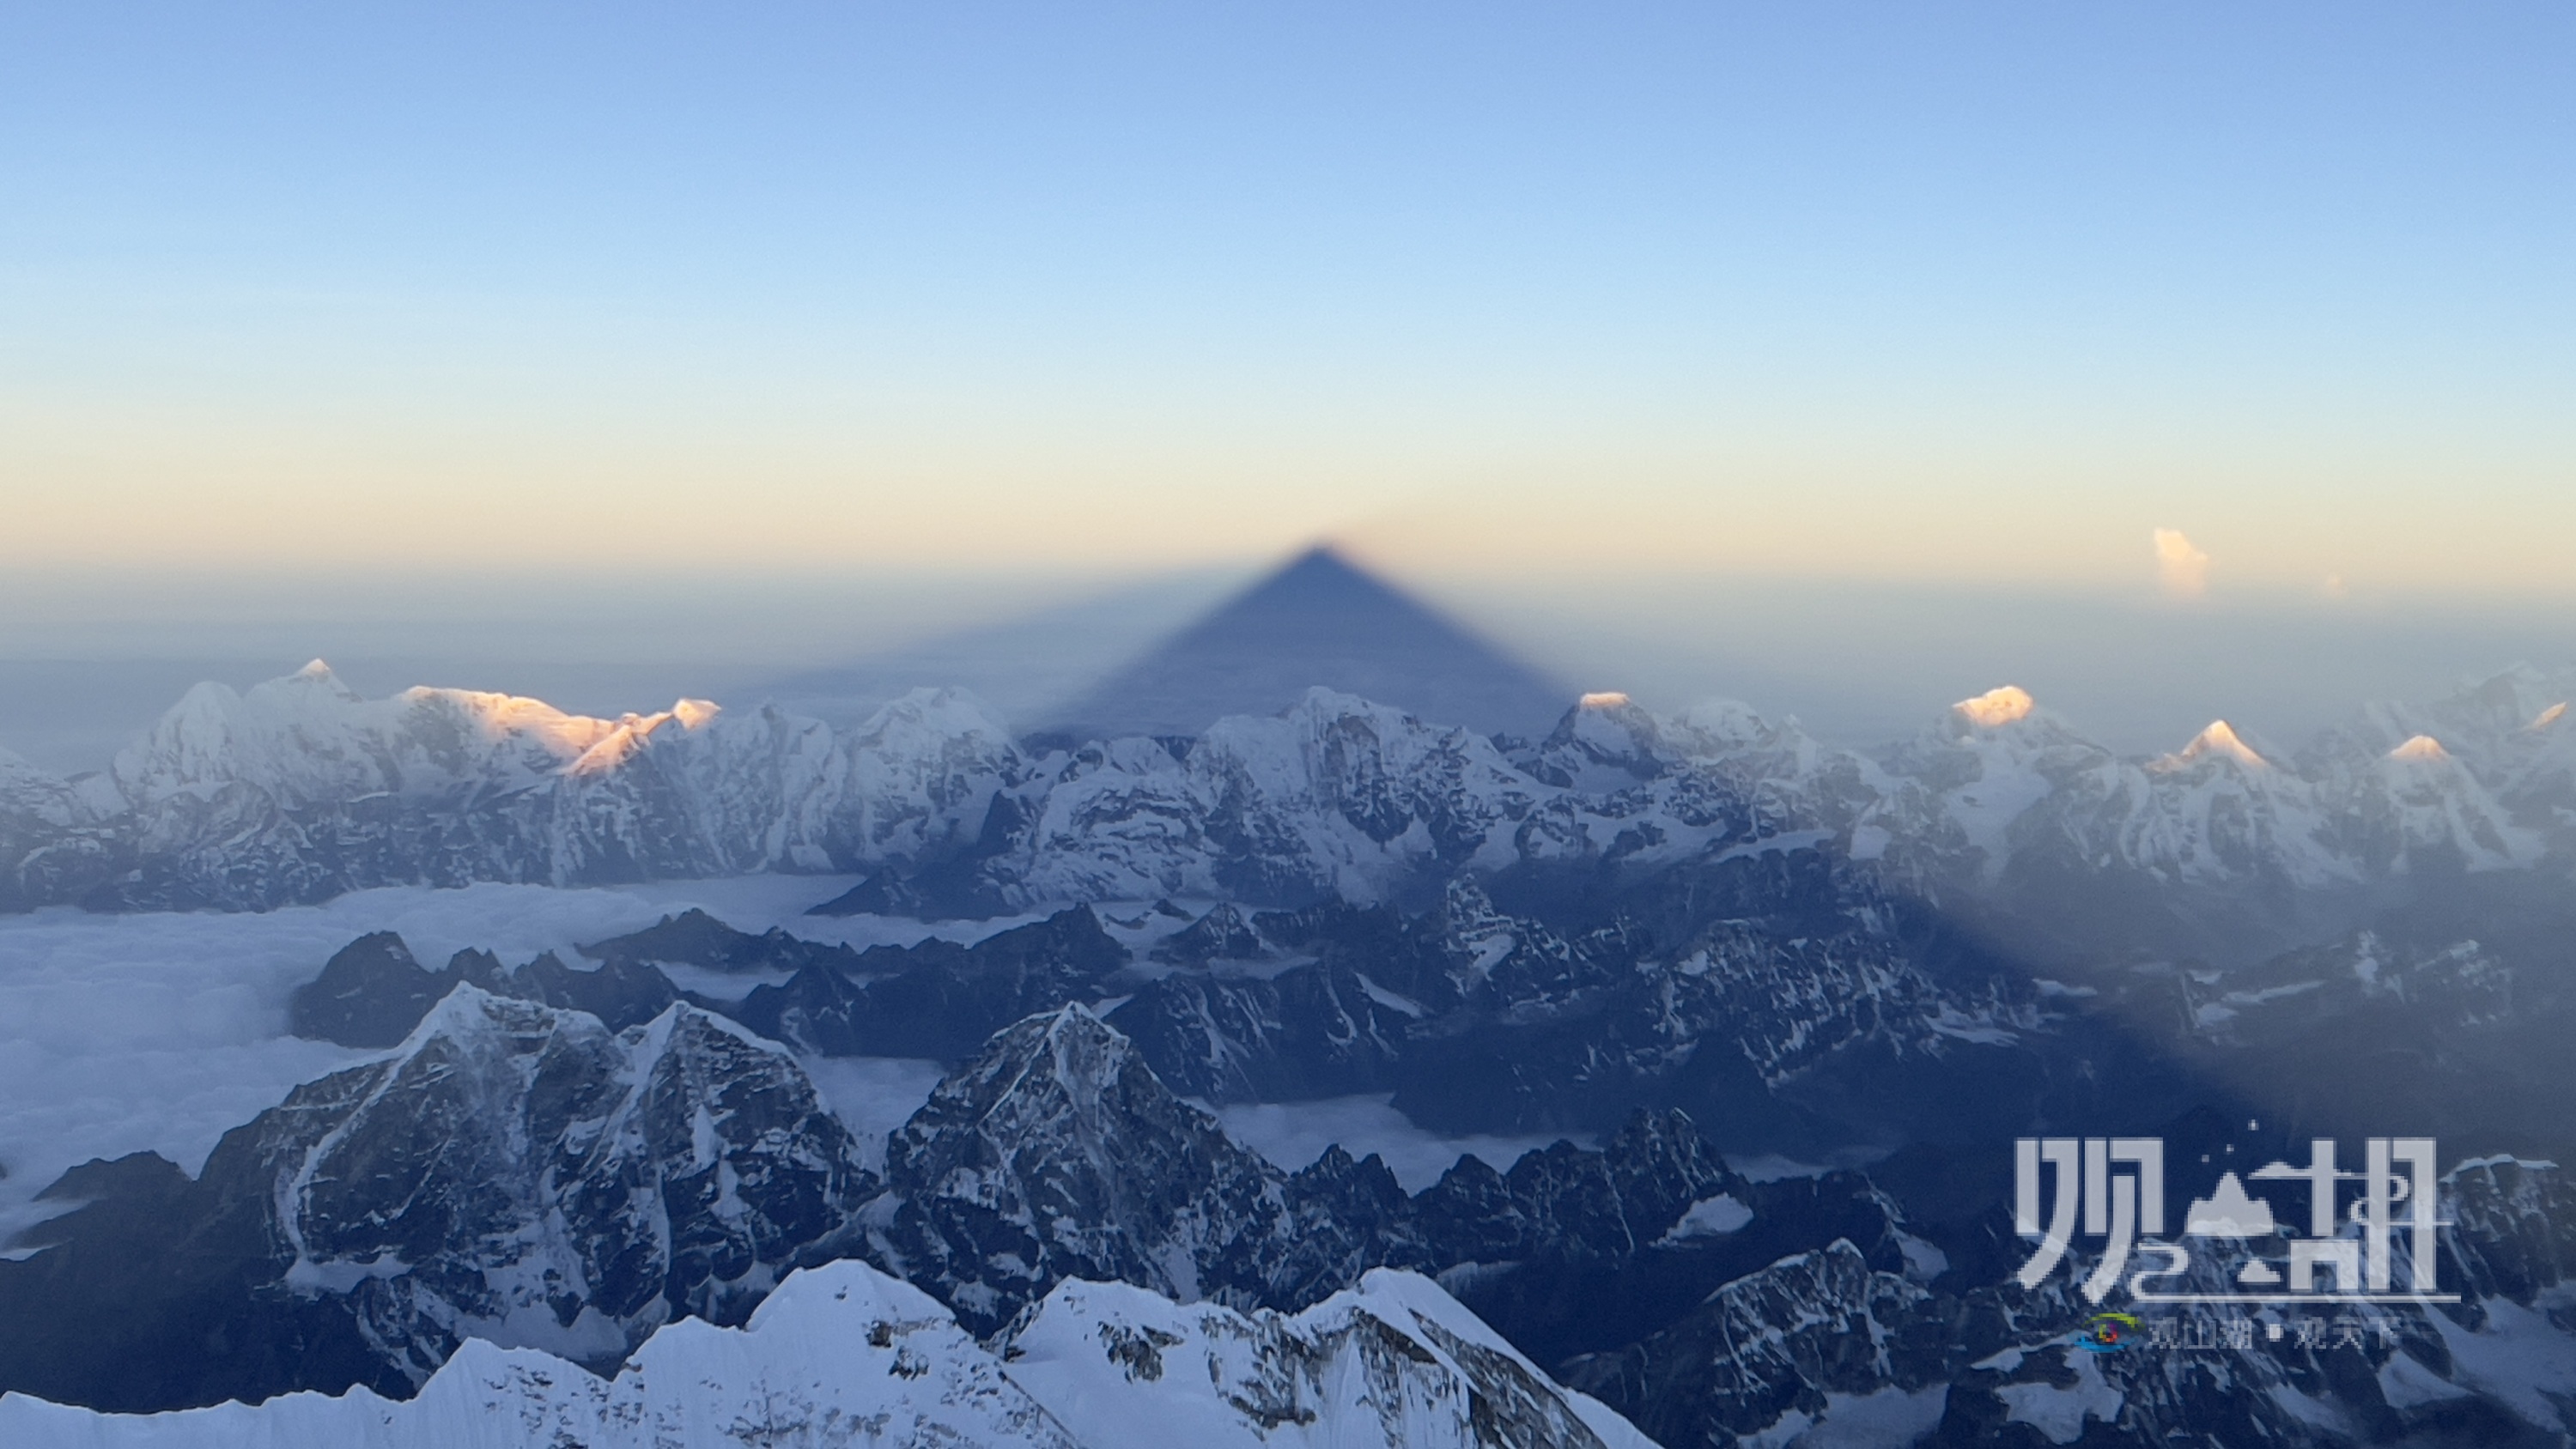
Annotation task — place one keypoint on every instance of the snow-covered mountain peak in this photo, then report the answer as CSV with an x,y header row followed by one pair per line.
x,y
1605,743
812,1302
1322,708
2489,723
933,714
15,772
839,1354
2505,699
1066,1066
308,737
1394,1363
2009,704
428,1187
470,1013
1057,1153
630,732
2420,749
1999,734
2219,741
842,1354
510,717
296,790
1080,1049
317,674
1722,726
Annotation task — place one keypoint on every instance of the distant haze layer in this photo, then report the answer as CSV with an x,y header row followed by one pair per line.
x,y
86,663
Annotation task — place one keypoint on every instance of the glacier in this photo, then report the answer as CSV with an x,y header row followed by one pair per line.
x,y
844,1355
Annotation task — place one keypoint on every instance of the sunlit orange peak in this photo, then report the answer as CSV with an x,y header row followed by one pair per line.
x,y
691,713
1603,699
1996,706
2220,739
2550,716
2421,747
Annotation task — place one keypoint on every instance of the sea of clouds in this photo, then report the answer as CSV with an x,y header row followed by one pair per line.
x,y
160,1031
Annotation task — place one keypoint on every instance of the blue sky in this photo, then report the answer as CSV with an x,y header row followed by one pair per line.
x,y
1960,292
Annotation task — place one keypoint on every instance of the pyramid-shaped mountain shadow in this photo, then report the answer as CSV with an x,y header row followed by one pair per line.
x,y
1320,620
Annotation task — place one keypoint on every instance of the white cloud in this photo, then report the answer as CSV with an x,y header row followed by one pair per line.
x,y
160,1031
872,1095
2181,567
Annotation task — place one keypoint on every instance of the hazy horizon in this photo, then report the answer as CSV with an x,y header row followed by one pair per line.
x,y
1858,665
2174,364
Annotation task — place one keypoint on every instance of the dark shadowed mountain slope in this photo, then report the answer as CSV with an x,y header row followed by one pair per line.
x,y
1320,620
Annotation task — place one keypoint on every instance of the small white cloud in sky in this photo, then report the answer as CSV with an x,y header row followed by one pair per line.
x,y
2180,565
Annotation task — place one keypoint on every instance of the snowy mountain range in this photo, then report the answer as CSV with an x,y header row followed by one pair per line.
x,y
1652,931
296,790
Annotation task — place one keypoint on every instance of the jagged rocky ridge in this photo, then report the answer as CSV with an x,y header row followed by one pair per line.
x,y
1814,1021
1812,955
514,1173
1825,1338
1706,1307
1781,994
510,1172
297,790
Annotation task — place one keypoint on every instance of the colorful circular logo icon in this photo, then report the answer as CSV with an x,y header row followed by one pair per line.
x,y
2108,1333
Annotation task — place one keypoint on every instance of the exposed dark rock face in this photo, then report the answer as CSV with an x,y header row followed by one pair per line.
x,y
1056,1154
514,1172
937,999
520,1172
1781,995
1306,1032
2514,1230
694,938
1709,1308
1972,1360
882,894
620,993
1771,1344
1223,934
372,993
57,842
1816,1024
1634,921
158,1292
